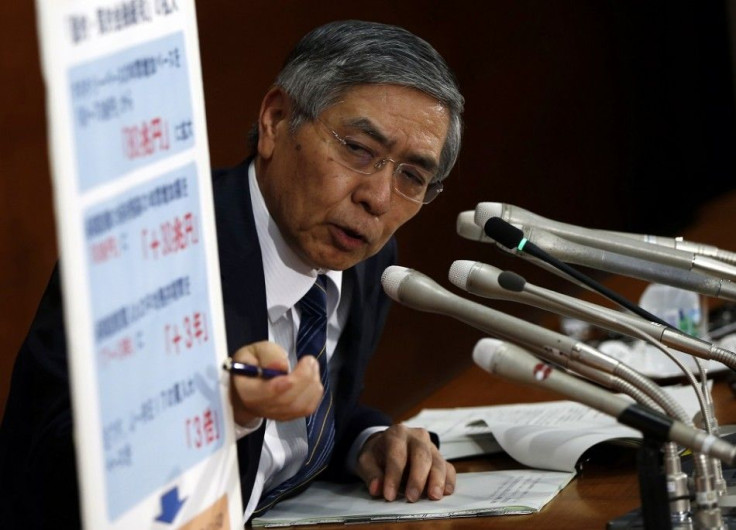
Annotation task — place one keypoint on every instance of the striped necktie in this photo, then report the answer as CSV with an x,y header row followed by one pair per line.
x,y
311,340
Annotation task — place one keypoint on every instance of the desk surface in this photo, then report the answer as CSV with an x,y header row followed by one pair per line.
x,y
603,491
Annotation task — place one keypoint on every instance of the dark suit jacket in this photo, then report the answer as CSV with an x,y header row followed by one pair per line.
x,y
38,484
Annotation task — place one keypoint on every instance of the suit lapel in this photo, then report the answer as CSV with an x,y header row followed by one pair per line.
x,y
240,257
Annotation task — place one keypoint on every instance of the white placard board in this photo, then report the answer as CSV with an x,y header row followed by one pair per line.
x,y
135,223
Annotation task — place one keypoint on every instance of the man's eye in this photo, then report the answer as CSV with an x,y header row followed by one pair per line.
x,y
355,147
413,177
358,151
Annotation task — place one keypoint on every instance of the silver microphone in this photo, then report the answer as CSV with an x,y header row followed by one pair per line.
x,y
465,226
416,290
679,243
606,240
570,252
490,282
513,362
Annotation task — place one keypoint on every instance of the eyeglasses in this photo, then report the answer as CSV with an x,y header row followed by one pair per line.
x,y
411,182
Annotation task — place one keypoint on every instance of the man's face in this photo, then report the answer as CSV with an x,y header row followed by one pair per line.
x,y
332,216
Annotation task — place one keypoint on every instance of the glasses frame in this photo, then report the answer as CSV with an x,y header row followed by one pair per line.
x,y
433,189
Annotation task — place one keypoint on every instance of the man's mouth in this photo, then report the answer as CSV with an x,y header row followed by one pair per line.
x,y
354,234
347,238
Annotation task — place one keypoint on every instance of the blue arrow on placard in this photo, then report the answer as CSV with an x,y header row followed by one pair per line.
x,y
170,505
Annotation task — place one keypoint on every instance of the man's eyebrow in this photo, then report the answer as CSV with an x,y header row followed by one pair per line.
x,y
366,126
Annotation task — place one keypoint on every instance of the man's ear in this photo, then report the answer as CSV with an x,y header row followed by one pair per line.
x,y
272,120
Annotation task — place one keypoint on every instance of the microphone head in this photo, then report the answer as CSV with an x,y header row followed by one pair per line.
x,y
484,353
486,210
459,273
511,281
465,227
503,233
391,280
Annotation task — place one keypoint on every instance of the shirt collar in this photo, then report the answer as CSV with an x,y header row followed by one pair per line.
x,y
287,277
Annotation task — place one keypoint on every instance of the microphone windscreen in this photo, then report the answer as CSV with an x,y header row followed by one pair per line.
x,y
486,210
465,226
459,272
502,232
391,279
511,281
484,352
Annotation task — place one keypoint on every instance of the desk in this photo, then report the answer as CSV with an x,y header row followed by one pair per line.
x,y
601,492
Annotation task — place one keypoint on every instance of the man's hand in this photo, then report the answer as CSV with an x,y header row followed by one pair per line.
x,y
402,454
286,397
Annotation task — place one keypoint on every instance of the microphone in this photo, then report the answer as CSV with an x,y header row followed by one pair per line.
x,y
512,362
515,363
681,244
511,237
465,226
485,280
416,290
570,252
611,241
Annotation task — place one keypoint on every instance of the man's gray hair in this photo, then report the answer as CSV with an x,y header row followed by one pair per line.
x,y
335,57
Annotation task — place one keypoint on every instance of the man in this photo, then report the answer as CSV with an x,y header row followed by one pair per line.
x,y
360,128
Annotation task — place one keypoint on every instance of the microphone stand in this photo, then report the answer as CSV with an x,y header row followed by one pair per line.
x,y
653,469
509,236
708,480
658,509
655,502
663,486
514,362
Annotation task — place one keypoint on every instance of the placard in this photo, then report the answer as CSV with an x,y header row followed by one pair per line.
x,y
140,276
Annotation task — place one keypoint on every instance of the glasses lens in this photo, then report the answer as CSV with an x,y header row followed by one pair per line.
x,y
351,153
356,155
433,190
412,181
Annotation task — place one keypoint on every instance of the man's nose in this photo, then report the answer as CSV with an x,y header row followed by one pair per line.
x,y
375,191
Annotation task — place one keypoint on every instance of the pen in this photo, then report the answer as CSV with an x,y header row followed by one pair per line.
x,y
250,370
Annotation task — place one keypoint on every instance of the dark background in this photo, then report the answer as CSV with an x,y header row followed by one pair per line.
x,y
604,114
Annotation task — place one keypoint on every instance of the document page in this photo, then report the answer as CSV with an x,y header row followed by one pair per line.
x,y
549,435
477,494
